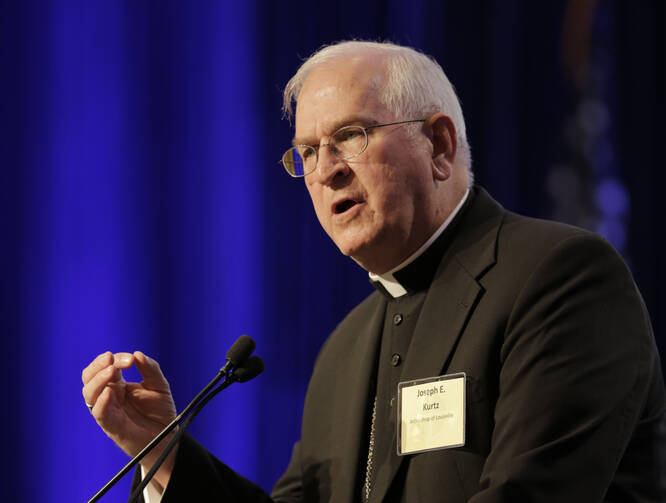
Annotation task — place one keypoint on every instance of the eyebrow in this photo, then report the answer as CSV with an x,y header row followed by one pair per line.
x,y
351,120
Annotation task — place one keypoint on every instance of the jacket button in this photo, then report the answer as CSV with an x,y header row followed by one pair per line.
x,y
397,319
395,359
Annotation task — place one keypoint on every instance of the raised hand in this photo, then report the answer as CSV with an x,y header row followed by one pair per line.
x,y
130,413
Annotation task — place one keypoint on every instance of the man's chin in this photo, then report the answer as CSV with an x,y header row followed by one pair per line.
x,y
363,248
365,256
355,251
348,242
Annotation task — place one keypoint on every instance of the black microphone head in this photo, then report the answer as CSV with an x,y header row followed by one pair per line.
x,y
240,350
252,367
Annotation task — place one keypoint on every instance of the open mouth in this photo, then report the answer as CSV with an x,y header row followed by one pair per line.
x,y
343,206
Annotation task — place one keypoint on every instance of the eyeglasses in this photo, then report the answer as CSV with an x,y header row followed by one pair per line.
x,y
346,143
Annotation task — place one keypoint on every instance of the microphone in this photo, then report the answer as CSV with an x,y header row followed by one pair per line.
x,y
249,370
238,353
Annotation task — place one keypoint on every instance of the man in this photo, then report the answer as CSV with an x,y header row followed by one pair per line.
x,y
538,324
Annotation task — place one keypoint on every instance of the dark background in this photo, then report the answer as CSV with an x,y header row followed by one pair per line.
x,y
142,205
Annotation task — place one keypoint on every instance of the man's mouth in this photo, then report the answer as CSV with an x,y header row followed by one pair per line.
x,y
343,206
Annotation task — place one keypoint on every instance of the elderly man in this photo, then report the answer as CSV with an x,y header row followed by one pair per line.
x,y
501,358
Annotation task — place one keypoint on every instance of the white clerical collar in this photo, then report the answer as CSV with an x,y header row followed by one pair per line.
x,y
388,280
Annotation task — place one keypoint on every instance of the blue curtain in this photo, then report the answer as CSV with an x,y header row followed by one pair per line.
x,y
142,205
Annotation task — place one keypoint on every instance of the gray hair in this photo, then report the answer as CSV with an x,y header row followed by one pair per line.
x,y
416,85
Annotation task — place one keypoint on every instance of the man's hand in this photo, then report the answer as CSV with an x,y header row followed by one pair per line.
x,y
131,413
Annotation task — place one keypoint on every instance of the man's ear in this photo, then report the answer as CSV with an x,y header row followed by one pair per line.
x,y
444,145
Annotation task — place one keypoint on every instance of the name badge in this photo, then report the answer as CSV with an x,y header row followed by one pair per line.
x,y
431,414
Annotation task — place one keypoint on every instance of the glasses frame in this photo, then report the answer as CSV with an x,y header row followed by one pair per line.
x,y
335,153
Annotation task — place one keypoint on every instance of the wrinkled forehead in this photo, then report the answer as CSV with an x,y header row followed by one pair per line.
x,y
344,87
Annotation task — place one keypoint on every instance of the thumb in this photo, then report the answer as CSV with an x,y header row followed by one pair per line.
x,y
150,370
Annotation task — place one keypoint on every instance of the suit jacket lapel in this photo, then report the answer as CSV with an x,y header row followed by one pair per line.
x,y
455,290
449,303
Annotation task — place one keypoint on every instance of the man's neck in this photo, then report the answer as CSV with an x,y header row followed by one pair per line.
x,y
388,280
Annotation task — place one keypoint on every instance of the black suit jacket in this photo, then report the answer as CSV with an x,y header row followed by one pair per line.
x,y
565,396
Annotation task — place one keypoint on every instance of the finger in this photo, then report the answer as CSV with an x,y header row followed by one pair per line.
x,y
102,361
150,370
99,409
123,360
94,387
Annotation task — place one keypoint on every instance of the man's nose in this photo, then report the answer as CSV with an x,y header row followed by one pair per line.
x,y
329,165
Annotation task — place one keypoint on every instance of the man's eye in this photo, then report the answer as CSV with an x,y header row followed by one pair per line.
x,y
348,135
306,152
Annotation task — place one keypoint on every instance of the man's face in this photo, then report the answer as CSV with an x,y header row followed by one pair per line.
x,y
379,207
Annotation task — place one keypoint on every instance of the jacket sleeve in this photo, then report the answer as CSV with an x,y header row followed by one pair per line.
x,y
579,386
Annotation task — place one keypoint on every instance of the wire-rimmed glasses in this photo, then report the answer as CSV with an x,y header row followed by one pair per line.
x,y
346,143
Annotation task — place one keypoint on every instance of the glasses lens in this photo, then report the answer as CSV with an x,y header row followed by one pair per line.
x,y
298,160
349,141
